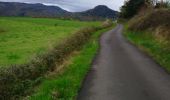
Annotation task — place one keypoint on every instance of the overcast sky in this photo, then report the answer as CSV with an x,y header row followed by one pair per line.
x,y
75,5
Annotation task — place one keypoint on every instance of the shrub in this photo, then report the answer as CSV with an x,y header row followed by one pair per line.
x,y
131,8
16,80
162,33
107,23
157,22
150,20
165,4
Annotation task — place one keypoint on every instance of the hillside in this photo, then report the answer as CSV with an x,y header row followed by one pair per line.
x,y
32,10
100,11
40,10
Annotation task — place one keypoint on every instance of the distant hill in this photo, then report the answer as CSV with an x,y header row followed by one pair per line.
x,y
33,10
100,11
40,10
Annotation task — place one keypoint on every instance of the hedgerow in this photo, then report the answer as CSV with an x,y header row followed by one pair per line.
x,y
17,80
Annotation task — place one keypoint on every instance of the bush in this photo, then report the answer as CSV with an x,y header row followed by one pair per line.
x,y
162,33
165,4
131,8
107,23
16,80
157,22
150,20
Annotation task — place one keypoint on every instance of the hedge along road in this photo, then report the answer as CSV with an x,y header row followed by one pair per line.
x,y
122,72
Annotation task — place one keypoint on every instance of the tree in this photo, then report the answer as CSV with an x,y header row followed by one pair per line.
x,y
163,4
132,7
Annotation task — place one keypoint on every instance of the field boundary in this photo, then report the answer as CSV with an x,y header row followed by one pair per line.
x,y
17,79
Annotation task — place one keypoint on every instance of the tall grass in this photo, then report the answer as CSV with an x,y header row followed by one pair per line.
x,y
156,21
150,20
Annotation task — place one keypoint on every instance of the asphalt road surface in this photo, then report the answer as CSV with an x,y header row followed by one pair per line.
x,y
122,72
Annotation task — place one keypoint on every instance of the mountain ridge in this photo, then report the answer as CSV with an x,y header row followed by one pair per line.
x,y
100,10
41,10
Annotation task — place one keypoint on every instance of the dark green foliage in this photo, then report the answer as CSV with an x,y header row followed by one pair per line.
x,y
163,4
17,79
131,8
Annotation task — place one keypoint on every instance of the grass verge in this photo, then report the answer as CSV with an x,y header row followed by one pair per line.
x,y
147,42
65,85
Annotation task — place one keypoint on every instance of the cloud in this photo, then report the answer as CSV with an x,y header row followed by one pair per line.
x,y
75,5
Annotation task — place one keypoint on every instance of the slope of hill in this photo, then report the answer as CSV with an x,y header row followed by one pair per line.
x,y
40,10
100,11
33,10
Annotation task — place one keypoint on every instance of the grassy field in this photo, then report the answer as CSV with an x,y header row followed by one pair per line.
x,y
23,38
148,43
65,86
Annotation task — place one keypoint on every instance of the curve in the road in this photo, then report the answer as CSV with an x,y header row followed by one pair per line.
x,y
122,72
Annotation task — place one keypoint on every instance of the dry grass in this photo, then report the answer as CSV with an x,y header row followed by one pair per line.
x,y
107,23
151,31
162,33
156,21
150,20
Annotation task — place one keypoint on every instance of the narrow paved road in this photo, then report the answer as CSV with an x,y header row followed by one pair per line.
x,y
122,72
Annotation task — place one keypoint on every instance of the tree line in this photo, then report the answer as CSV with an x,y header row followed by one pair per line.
x,y
132,7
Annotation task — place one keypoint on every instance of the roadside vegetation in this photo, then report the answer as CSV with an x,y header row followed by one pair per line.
x,y
158,49
149,29
65,85
19,79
